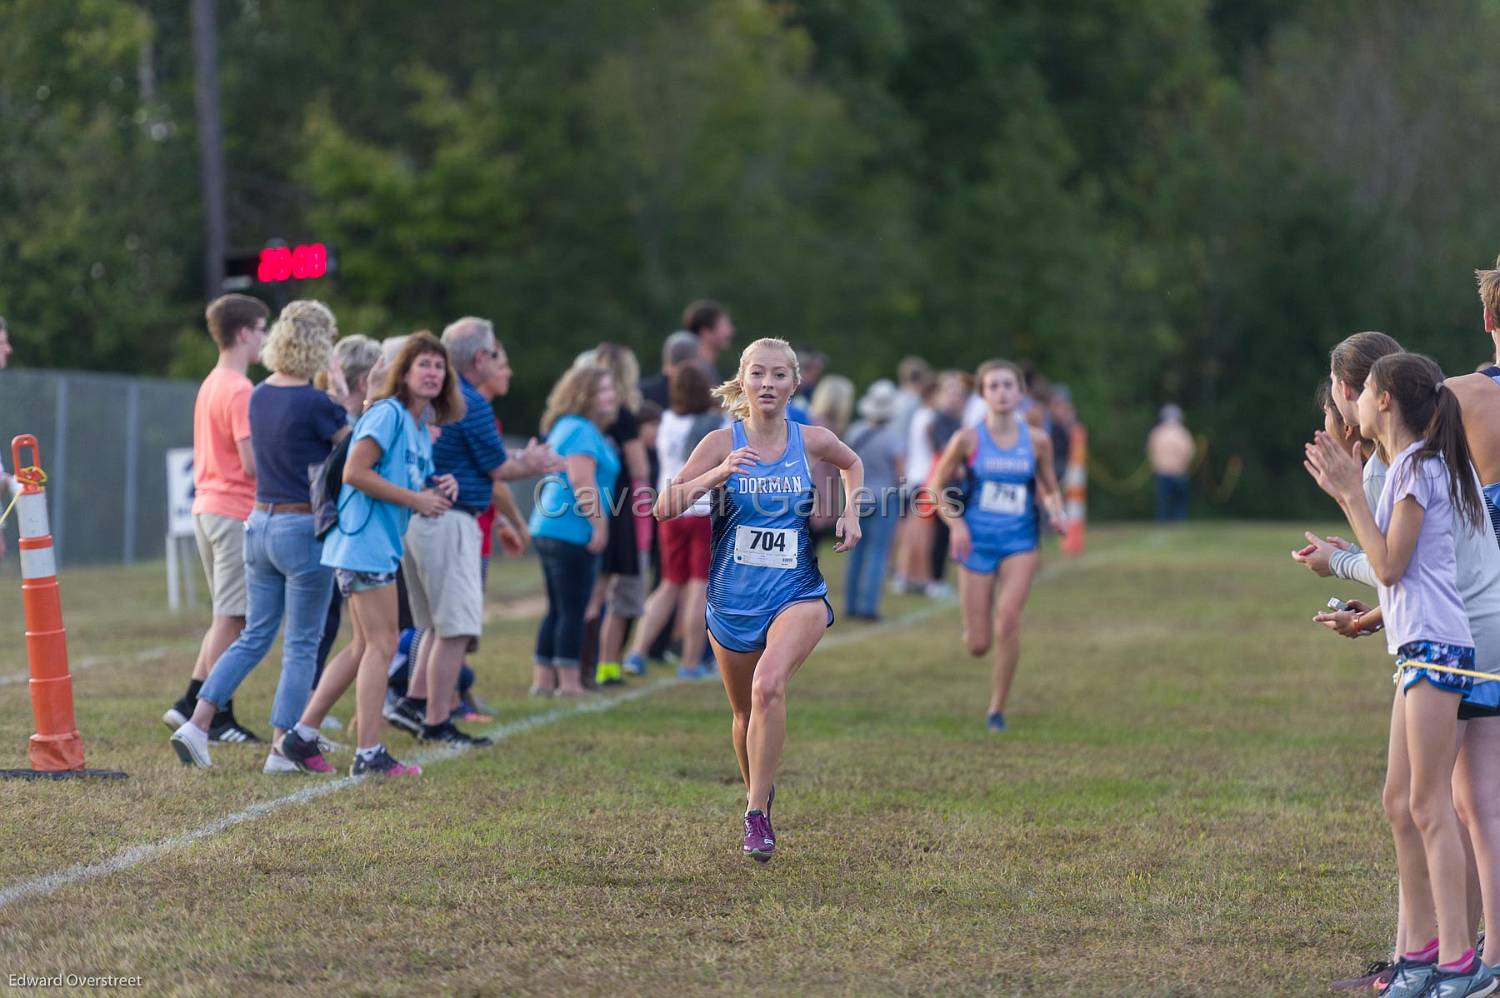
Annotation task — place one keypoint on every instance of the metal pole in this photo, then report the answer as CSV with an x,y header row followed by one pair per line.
x,y
210,143
173,599
59,474
132,452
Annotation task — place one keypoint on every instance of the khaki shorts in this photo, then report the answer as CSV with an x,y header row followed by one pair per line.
x,y
626,595
441,566
221,548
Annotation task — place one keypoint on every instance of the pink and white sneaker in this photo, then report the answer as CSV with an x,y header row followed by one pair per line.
x,y
306,755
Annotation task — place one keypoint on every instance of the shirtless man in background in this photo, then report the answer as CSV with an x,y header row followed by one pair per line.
x,y
1170,451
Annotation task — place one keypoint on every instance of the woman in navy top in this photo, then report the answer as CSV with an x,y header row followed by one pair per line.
x,y
293,426
767,602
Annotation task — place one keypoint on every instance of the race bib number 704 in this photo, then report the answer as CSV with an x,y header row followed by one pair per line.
x,y
1002,498
766,547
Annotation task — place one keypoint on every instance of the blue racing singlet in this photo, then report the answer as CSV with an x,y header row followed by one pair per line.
x,y
1491,490
1001,509
763,557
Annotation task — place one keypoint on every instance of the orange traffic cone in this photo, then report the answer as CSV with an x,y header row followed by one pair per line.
x,y
56,749
1075,490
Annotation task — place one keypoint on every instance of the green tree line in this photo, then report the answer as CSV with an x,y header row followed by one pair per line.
x,y
1153,200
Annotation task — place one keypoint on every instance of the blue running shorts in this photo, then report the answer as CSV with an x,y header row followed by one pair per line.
x,y
747,632
986,558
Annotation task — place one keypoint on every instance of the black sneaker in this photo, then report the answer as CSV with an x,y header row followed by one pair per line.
x,y
404,714
225,728
382,764
1377,975
306,755
177,715
448,733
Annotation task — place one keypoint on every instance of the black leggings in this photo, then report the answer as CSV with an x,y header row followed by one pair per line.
x,y
569,571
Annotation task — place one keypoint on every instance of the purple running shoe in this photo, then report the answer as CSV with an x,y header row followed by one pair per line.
x,y
760,840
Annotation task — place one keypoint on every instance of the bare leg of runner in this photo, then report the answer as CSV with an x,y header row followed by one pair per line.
x,y
1014,582
792,638
737,670
977,600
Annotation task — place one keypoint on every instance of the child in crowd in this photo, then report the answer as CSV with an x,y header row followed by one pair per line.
x,y
1430,493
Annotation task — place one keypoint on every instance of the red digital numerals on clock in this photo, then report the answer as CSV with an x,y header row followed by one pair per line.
x,y
289,263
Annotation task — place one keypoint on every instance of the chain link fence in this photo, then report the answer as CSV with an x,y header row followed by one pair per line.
x,y
104,440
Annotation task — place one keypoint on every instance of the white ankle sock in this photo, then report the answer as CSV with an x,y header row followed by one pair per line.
x,y
305,732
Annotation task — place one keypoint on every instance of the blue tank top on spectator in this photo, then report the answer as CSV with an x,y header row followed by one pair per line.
x,y
1491,490
763,556
469,450
290,431
1001,507
369,534
556,513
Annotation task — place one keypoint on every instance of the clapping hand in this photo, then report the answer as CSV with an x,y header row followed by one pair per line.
x,y
1333,468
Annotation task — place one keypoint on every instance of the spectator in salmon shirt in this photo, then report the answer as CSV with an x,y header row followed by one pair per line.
x,y
223,495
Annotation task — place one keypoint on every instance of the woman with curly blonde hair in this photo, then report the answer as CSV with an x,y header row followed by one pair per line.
x,y
570,522
293,427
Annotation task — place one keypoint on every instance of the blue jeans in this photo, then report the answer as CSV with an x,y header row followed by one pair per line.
x,y
284,575
1171,498
867,561
569,571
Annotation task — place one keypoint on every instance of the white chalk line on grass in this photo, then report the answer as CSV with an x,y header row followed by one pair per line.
x,y
50,883
89,661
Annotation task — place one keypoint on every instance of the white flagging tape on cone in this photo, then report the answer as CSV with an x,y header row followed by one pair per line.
x,y
31,513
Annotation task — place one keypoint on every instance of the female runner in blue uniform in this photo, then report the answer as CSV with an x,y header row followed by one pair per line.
x,y
767,602
1005,470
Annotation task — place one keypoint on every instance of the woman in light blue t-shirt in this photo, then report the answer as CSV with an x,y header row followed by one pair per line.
x,y
570,523
387,477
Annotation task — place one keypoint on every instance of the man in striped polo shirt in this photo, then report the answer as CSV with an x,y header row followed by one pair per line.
x,y
442,560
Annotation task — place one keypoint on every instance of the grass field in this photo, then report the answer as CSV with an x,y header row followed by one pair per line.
x,y
1186,803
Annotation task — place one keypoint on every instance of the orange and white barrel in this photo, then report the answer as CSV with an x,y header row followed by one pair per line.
x,y
1075,490
57,746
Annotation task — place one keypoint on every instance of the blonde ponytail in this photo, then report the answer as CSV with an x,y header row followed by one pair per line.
x,y
731,394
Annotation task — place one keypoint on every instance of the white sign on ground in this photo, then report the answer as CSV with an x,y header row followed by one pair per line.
x,y
180,527
180,492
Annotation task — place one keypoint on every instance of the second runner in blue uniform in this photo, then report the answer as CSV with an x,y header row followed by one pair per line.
x,y
1003,471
